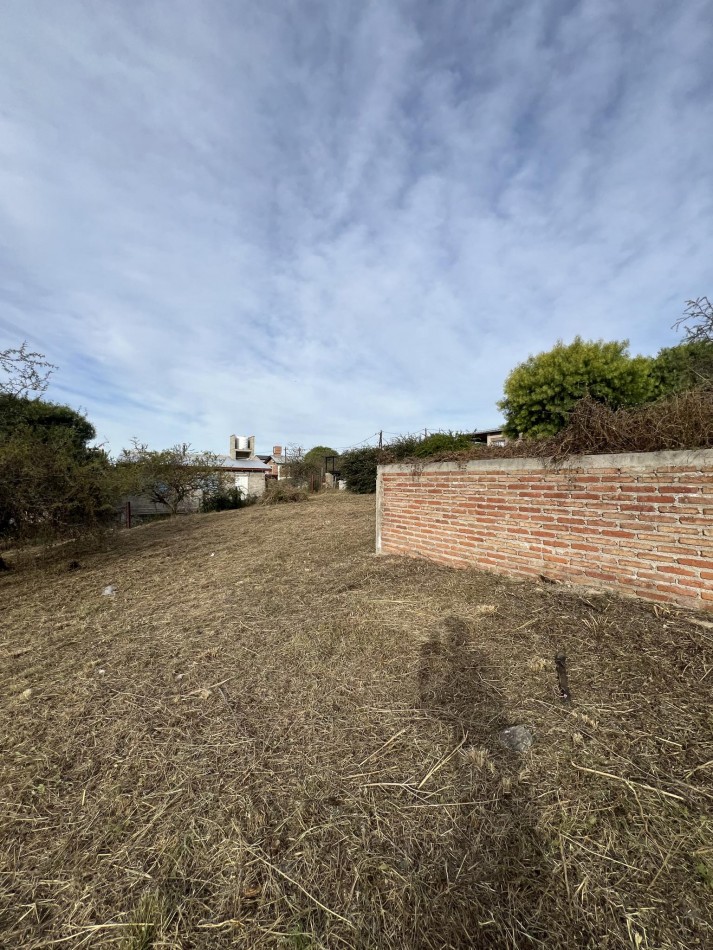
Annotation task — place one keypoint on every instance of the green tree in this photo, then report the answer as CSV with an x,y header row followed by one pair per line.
x,y
359,466
316,456
305,469
541,392
52,483
44,420
169,476
684,367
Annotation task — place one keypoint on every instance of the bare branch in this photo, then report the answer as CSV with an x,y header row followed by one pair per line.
x,y
26,372
169,476
697,321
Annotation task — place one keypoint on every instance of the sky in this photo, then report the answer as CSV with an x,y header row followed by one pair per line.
x,y
310,221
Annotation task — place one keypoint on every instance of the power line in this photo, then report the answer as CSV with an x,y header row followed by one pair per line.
x,y
357,445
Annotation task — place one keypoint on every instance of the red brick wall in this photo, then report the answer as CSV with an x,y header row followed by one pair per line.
x,y
640,524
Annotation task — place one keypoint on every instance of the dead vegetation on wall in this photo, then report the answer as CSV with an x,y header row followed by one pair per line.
x,y
683,421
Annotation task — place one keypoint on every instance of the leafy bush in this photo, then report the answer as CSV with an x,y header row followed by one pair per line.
x,y
687,366
42,421
316,456
358,468
442,442
541,392
52,485
279,493
306,470
225,499
403,447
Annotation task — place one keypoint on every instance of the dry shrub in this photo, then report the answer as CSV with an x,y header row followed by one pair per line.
x,y
278,494
680,421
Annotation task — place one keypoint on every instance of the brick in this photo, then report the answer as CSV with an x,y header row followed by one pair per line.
x,y
656,555
648,594
668,589
681,571
601,576
701,562
651,535
693,584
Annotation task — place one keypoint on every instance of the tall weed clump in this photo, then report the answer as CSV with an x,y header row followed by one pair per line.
x,y
280,493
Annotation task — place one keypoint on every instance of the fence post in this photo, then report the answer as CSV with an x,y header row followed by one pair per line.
x,y
127,514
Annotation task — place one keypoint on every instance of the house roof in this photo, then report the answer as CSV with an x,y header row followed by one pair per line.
x,y
271,458
482,435
241,465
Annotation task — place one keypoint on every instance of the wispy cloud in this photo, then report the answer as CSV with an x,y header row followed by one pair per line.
x,y
313,220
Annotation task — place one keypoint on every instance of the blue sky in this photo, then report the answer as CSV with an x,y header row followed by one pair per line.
x,y
313,220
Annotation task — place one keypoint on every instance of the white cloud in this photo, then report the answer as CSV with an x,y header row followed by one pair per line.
x,y
316,221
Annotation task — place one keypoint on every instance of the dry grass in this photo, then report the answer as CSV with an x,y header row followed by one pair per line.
x,y
279,493
271,738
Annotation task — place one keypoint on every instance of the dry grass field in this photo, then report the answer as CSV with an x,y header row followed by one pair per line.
x,y
269,737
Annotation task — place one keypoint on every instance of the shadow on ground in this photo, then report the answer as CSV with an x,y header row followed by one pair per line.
x,y
497,877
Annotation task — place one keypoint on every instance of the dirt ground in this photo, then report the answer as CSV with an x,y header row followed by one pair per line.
x,y
270,737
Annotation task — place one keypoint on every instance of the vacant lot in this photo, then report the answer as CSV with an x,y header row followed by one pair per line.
x,y
268,737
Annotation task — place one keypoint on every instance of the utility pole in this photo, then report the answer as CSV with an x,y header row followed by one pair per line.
x,y
381,439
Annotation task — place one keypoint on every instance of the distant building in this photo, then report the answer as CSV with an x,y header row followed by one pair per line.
x,y
276,460
489,437
247,474
240,469
242,449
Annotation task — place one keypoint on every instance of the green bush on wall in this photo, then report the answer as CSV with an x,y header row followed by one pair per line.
x,y
358,468
442,442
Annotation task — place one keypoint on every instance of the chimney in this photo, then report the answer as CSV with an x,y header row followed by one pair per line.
x,y
233,447
277,450
251,446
